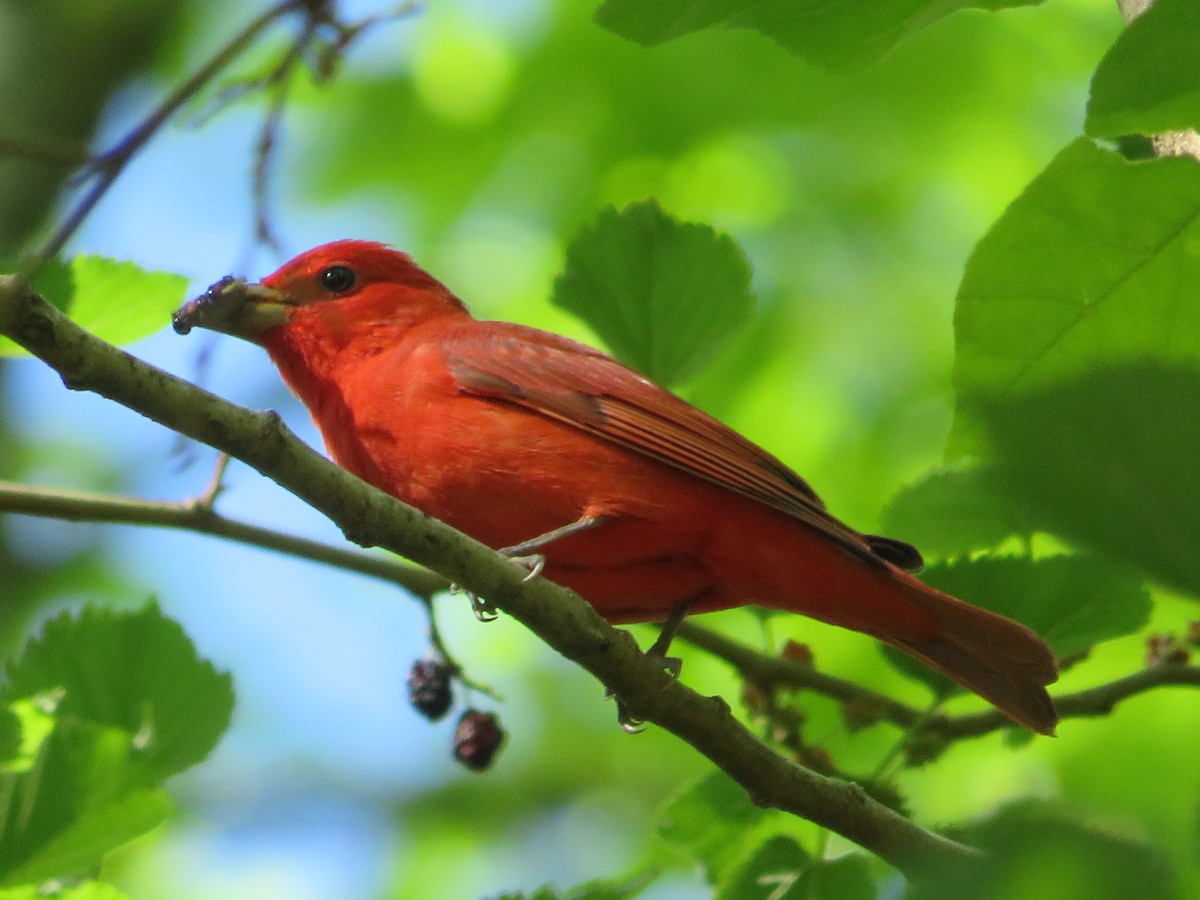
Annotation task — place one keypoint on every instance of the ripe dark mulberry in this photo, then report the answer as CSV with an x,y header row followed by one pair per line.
x,y
476,739
429,688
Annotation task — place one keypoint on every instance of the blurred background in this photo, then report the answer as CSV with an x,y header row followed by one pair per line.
x,y
478,135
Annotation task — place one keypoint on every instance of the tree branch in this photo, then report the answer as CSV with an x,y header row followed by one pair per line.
x,y
769,671
762,669
560,618
1085,704
198,516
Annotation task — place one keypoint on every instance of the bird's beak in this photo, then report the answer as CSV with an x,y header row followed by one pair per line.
x,y
235,307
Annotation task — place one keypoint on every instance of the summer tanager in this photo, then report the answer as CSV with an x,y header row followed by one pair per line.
x,y
638,501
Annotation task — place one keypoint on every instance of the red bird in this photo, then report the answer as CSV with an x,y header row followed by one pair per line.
x,y
641,503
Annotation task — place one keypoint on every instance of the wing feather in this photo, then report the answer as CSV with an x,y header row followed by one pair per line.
x,y
591,391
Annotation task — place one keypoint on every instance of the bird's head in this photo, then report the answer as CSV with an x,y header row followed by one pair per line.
x,y
358,281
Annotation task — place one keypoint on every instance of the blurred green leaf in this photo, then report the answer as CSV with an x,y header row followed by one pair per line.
x,y
55,281
773,870
845,878
1108,461
63,63
665,295
836,34
954,510
134,671
1073,602
600,889
94,833
1094,263
711,821
81,797
1081,375
1149,81
117,301
88,890
778,868
10,734
1034,849
111,704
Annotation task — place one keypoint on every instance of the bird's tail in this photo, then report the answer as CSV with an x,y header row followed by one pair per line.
x,y
999,659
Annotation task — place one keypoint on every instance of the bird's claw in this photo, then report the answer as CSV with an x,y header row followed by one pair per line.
x,y
534,562
672,665
484,610
629,723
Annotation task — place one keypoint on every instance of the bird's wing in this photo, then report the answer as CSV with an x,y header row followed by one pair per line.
x,y
591,391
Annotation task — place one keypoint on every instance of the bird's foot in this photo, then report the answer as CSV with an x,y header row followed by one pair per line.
x,y
533,562
672,665
484,610
657,653
629,723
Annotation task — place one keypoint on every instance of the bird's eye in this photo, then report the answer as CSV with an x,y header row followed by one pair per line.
x,y
337,279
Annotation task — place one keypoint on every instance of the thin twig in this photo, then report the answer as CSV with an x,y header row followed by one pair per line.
x,y
1088,703
776,671
215,485
109,166
773,671
198,516
348,32
280,79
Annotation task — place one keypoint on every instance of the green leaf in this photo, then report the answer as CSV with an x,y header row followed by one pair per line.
x,y
710,821
111,703
10,735
95,833
665,295
122,302
119,302
846,878
1080,374
136,671
773,870
1033,849
1108,460
1095,263
79,798
1073,602
88,890
836,34
599,889
1148,81
953,511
